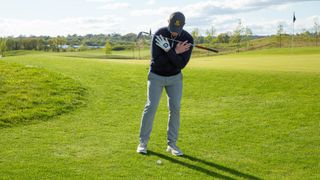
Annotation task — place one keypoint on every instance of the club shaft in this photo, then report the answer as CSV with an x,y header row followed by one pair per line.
x,y
194,45
165,37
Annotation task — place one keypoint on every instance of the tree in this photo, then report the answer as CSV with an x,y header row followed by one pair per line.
x,y
195,35
279,33
247,35
3,46
83,47
61,42
223,38
210,34
107,48
131,37
236,35
316,29
306,35
11,44
139,44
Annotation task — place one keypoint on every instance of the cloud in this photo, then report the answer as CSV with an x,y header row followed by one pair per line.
x,y
151,2
227,23
222,15
110,4
214,7
100,1
114,6
307,23
80,25
234,6
284,7
161,11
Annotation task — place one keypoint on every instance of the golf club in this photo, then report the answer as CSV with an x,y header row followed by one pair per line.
x,y
194,45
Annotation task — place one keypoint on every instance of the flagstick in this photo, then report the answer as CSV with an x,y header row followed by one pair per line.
x,y
292,35
294,19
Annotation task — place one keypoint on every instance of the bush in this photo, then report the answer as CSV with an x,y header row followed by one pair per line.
x,y
119,48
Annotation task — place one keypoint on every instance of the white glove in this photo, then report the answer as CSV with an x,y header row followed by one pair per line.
x,y
163,43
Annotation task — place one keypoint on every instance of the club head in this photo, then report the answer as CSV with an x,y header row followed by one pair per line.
x,y
139,35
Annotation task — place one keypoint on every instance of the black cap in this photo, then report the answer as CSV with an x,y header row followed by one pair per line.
x,y
176,22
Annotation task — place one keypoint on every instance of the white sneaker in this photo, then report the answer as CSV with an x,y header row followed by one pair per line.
x,y
142,148
174,150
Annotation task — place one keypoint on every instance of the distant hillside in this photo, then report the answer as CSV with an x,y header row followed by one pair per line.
x,y
261,42
127,46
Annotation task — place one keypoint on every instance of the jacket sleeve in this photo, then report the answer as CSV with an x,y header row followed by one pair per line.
x,y
159,54
179,60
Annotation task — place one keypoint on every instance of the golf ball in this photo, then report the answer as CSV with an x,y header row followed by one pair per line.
x,y
159,162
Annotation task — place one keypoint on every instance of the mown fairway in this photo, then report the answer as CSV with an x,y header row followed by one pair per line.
x,y
245,116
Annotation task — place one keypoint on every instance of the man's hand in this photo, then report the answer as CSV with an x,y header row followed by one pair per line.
x,y
182,47
163,43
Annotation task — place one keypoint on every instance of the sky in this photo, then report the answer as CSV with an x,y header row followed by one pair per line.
x,y
63,17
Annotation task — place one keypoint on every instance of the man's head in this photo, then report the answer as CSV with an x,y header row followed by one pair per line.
x,y
176,23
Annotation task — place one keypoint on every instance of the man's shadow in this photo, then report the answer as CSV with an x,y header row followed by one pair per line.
x,y
203,170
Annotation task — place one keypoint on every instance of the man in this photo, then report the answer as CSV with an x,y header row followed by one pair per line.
x,y
168,58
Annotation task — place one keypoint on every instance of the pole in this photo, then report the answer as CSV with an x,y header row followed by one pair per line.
x,y
293,21
292,35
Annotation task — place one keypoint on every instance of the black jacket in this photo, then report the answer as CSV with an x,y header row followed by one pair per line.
x,y
169,63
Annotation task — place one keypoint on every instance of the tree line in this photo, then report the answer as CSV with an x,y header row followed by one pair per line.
x,y
240,37
59,43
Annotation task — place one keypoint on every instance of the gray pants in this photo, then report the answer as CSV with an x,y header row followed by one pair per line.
x,y
173,86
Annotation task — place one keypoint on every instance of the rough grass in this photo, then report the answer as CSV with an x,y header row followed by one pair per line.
x,y
29,94
241,119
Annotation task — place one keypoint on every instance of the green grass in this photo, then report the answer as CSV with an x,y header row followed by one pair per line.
x,y
126,54
244,116
99,54
281,60
285,51
29,93
270,42
20,52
